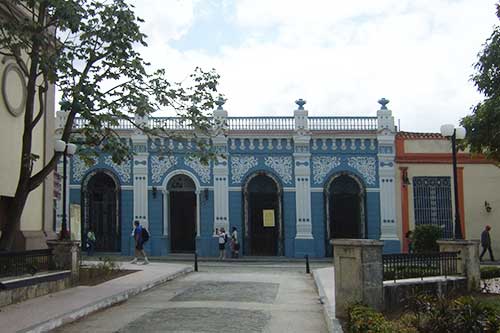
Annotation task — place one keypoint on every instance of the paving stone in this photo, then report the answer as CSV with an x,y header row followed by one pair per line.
x,y
257,292
199,319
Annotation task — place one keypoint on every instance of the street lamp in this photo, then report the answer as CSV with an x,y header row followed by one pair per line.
x,y
67,149
454,133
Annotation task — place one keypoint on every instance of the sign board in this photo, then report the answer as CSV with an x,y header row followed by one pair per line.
x,y
268,217
75,222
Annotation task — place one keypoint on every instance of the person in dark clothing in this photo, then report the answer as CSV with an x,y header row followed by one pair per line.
x,y
139,243
486,243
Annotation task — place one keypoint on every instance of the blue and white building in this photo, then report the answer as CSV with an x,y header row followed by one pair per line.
x,y
288,184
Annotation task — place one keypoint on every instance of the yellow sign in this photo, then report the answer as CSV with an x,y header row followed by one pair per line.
x,y
75,216
268,215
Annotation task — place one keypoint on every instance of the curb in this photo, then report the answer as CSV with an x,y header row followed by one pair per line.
x,y
88,309
331,321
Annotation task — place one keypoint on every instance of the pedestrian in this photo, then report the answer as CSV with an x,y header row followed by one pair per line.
x,y
235,245
141,236
486,243
409,239
90,242
222,243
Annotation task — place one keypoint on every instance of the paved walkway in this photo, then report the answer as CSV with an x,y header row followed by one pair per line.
x,y
47,312
325,282
224,297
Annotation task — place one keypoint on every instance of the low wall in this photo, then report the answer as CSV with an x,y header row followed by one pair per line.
x,y
22,289
396,293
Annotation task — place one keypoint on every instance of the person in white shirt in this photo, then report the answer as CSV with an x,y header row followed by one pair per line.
x,y
222,243
235,245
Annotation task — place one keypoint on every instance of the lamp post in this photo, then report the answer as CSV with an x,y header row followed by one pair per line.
x,y
454,133
67,149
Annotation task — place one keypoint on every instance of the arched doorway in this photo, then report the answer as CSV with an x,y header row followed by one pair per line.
x,y
182,213
101,211
345,209
263,225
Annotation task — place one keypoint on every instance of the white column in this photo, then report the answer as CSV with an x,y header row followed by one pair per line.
x,y
220,171
387,172
303,196
140,168
302,163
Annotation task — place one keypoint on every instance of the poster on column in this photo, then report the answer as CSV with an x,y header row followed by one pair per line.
x,y
268,217
75,222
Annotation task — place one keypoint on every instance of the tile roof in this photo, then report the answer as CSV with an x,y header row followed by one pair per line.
x,y
417,135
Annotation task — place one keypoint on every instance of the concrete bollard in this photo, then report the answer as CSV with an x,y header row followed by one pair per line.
x,y
358,271
66,256
468,263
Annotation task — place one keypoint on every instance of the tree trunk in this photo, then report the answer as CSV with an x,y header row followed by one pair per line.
x,y
11,211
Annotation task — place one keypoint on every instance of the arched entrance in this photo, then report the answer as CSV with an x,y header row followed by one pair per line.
x,y
182,213
101,210
263,221
345,201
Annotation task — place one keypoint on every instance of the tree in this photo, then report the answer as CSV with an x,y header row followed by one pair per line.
x,y
483,125
88,49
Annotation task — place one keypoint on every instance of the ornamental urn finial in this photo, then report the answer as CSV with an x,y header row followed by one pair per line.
x,y
300,102
383,101
220,102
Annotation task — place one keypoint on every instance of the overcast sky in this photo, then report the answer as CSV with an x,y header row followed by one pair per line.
x,y
340,56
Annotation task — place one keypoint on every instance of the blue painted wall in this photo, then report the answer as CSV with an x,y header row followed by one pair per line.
x,y
318,223
289,217
126,222
373,215
206,243
236,215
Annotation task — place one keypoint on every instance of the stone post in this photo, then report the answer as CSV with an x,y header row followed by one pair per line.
x,y
66,256
304,241
468,263
386,134
140,171
358,274
221,168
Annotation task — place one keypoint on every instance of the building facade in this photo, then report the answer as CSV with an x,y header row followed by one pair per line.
x,y
37,219
425,188
288,184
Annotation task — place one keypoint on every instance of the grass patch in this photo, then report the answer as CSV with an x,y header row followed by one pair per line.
x,y
104,271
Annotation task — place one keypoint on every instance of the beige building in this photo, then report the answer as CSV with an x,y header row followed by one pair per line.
x,y
424,184
37,219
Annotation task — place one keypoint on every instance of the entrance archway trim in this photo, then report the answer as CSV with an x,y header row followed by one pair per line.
x,y
84,200
166,199
361,194
279,190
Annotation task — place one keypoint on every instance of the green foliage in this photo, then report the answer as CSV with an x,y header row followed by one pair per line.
x,y
362,318
429,314
490,272
102,79
425,237
101,75
483,125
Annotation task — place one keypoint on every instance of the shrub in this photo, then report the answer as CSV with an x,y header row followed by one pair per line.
x,y
425,238
362,318
490,272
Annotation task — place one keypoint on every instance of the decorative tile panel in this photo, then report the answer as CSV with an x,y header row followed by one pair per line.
x,y
201,169
240,166
322,165
159,167
366,166
282,165
79,168
124,170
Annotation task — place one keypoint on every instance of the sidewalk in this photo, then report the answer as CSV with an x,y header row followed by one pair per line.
x,y
48,312
325,282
